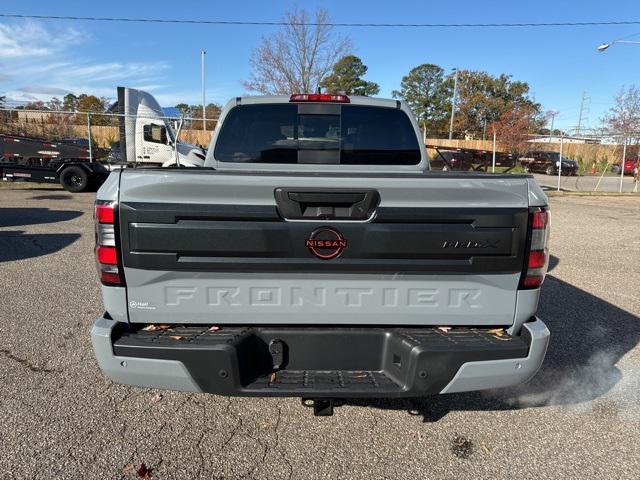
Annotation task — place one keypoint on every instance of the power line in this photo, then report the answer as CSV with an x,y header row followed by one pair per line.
x,y
332,24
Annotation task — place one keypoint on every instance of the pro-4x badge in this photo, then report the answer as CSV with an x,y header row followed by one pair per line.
x,y
326,243
470,244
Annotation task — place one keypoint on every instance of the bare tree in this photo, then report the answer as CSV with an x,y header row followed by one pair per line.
x,y
298,57
624,116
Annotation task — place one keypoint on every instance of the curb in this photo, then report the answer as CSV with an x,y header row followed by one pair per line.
x,y
553,193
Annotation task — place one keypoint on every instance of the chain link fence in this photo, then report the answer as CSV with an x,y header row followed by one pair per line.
x,y
49,135
591,160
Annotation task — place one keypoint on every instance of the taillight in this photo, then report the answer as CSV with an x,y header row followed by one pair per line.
x,y
319,97
105,213
538,254
109,267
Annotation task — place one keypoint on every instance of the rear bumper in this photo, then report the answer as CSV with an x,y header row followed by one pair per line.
x,y
318,361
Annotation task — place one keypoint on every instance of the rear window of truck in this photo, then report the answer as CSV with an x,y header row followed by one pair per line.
x,y
317,134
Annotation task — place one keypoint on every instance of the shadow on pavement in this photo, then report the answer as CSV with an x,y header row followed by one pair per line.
x,y
17,245
30,186
53,196
588,338
15,217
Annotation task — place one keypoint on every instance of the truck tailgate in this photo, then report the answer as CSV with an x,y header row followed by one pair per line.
x,y
206,247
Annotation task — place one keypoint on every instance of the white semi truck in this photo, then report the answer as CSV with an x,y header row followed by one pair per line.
x,y
146,138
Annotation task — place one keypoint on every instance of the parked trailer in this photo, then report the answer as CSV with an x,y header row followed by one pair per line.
x,y
74,176
65,162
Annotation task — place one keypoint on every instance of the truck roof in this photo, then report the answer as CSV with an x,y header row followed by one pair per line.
x,y
353,99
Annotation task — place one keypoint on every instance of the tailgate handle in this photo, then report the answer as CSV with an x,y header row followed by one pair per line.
x,y
330,204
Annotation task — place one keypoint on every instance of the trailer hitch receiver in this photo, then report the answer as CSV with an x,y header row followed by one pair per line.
x,y
322,407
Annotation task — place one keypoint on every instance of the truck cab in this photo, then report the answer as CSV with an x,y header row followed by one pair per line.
x,y
147,136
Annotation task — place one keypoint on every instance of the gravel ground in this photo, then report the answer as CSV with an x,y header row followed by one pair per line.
x,y
579,418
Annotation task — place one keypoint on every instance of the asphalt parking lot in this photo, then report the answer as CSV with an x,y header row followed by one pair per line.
x,y
586,183
579,418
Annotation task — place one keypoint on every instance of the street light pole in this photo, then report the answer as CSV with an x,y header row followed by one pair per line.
x,y
453,103
204,111
603,46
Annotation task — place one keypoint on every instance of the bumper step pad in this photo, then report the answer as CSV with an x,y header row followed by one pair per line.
x,y
329,381
320,361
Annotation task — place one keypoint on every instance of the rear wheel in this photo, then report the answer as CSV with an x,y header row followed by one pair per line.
x,y
74,179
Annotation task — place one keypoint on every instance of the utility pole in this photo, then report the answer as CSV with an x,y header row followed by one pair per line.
x,y
493,159
204,111
583,110
624,157
91,147
453,103
552,114
560,160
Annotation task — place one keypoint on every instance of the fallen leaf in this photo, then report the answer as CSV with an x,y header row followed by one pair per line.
x,y
176,337
485,448
156,398
498,333
444,329
144,472
213,328
156,328
141,473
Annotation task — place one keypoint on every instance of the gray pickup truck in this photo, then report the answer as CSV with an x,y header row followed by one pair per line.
x,y
316,255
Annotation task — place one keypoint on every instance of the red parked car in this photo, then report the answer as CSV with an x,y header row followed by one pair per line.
x,y
629,165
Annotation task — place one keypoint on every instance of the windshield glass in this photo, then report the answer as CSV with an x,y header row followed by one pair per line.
x,y
329,134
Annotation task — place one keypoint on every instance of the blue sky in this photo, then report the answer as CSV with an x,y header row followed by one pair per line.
x,y
42,58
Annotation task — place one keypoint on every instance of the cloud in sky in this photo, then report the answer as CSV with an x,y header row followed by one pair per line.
x,y
31,39
98,72
47,59
43,89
